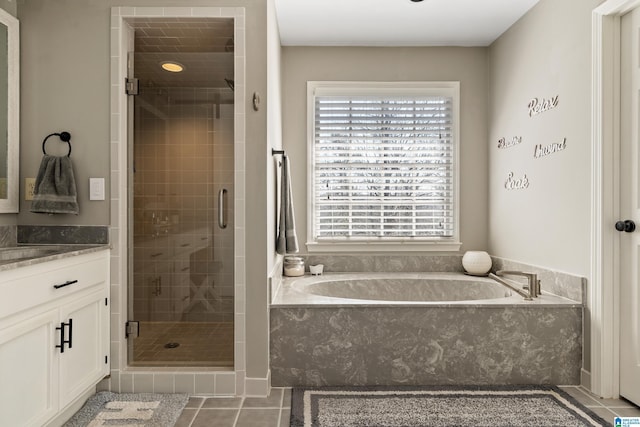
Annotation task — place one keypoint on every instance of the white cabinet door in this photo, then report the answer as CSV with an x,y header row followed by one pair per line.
x,y
83,362
28,369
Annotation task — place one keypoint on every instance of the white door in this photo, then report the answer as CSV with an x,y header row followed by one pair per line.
x,y
629,208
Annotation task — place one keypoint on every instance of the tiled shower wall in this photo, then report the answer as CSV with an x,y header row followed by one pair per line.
x,y
183,158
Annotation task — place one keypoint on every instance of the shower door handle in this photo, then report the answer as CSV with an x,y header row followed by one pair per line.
x,y
221,217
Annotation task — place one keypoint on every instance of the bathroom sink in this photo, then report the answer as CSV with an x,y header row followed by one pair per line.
x,y
20,253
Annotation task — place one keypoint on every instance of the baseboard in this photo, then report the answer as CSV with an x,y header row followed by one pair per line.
x,y
258,387
585,379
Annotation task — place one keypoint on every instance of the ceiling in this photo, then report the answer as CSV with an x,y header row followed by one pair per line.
x,y
396,22
205,45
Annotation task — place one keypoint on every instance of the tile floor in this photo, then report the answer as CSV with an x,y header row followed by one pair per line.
x,y
274,411
200,344
607,409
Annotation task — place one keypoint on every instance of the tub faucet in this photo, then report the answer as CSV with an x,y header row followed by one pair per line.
x,y
533,285
516,289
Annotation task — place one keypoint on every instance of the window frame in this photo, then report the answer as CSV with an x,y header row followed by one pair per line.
x,y
410,244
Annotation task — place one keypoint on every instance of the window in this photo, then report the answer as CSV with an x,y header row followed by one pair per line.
x,y
383,166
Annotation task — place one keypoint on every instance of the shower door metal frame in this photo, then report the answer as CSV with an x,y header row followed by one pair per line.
x,y
154,302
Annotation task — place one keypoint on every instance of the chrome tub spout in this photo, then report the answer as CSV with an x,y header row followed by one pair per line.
x,y
532,288
515,289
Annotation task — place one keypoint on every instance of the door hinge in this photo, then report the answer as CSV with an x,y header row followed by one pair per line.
x,y
132,329
131,86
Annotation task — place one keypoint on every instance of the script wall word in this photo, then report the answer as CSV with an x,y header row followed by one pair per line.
x,y
537,106
516,184
544,150
503,143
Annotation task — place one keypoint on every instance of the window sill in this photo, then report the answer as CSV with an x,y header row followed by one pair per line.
x,y
315,247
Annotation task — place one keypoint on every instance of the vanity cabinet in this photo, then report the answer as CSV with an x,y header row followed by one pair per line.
x,y
54,336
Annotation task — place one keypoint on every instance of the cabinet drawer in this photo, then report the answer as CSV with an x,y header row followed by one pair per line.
x,y
48,281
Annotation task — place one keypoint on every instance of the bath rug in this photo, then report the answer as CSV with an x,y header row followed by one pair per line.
x,y
129,410
512,406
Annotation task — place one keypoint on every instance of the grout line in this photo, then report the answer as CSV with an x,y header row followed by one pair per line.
x,y
262,407
196,414
280,411
235,422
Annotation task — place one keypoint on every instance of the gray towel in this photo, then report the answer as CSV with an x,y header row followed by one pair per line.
x,y
287,240
55,188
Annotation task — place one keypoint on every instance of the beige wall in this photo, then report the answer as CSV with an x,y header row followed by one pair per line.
x,y
547,53
9,6
467,65
65,86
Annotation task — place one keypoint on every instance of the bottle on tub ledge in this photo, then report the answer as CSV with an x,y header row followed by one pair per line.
x,y
293,266
476,263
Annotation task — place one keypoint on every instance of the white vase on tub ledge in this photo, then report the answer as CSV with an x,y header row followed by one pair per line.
x,y
477,263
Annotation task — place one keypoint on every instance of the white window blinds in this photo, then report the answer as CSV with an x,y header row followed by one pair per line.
x,y
384,165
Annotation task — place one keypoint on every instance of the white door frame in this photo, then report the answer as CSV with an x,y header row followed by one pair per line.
x,y
604,295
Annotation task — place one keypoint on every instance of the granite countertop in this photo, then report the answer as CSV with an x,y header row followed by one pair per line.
x,y
21,256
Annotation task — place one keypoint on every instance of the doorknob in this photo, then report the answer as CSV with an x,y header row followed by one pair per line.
x,y
627,226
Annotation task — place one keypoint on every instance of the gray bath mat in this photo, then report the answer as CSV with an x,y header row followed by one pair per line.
x,y
129,410
512,406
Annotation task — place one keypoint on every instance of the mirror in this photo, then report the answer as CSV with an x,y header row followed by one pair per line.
x,y
9,113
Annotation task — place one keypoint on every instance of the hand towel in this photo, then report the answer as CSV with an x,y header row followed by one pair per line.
x,y
55,188
287,240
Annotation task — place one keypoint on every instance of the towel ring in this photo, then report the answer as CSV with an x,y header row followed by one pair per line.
x,y
64,137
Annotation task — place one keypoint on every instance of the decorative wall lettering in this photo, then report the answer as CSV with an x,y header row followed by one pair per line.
x,y
516,184
537,106
541,151
503,143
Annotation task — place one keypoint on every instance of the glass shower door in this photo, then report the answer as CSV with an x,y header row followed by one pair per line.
x,y
182,293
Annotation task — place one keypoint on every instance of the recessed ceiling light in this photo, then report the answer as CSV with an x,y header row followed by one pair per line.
x,y
172,66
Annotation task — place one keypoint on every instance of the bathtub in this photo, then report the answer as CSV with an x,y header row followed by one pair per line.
x,y
421,288
419,329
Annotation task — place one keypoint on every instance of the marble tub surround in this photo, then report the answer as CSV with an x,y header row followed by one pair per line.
x,y
63,234
8,235
555,282
333,346
402,289
320,340
551,281
275,279
386,263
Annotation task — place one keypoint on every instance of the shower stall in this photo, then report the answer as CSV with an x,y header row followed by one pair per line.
x,y
181,263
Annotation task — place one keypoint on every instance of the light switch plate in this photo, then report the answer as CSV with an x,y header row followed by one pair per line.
x,y
96,188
